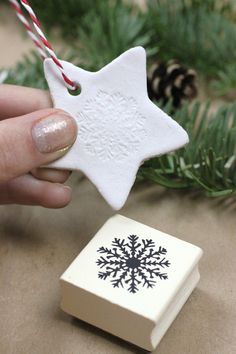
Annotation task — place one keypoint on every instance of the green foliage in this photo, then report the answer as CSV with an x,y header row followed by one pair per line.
x,y
28,72
197,33
66,15
208,162
109,30
223,7
225,82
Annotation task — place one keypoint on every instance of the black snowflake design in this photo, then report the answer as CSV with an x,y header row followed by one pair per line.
x,y
131,264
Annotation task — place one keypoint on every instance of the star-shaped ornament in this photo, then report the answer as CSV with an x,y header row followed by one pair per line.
x,y
118,125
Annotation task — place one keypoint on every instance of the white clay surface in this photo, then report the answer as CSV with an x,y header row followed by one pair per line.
x,y
118,126
140,314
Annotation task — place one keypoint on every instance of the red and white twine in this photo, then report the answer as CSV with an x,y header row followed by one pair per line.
x,y
43,46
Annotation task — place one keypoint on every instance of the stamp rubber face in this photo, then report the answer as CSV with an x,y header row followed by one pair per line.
x,y
118,126
133,263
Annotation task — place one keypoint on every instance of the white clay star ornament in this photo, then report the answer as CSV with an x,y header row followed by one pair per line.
x,y
118,125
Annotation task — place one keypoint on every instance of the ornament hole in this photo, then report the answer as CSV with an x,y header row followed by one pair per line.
x,y
76,91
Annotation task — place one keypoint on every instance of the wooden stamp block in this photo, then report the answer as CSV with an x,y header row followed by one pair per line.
x,y
131,280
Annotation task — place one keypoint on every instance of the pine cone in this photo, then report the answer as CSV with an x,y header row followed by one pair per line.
x,y
171,80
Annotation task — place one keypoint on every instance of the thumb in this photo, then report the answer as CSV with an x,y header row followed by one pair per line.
x,y
33,140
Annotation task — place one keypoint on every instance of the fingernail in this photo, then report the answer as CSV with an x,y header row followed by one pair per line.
x,y
54,133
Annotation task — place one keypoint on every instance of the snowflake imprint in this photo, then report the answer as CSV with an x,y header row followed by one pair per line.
x,y
111,126
132,264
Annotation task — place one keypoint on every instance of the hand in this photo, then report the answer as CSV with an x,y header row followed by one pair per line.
x,y
31,135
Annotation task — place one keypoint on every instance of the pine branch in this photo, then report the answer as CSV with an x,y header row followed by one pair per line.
x,y
208,161
201,34
197,33
110,29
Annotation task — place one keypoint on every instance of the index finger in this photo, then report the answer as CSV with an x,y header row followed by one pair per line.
x,y
18,100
